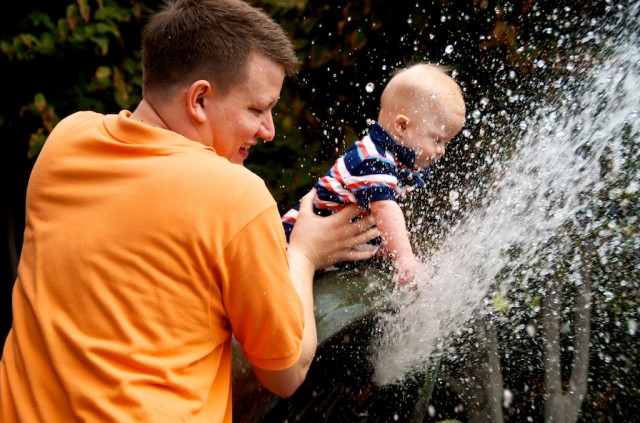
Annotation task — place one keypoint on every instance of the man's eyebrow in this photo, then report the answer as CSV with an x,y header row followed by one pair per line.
x,y
264,104
272,103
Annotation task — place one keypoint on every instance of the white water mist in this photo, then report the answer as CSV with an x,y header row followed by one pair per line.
x,y
554,175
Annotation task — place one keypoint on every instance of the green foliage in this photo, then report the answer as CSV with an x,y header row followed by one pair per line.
x,y
84,54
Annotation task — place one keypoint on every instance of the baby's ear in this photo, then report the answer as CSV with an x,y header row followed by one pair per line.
x,y
400,124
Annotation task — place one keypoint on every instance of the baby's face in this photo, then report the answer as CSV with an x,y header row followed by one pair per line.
x,y
428,134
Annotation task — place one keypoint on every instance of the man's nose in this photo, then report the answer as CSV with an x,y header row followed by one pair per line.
x,y
267,128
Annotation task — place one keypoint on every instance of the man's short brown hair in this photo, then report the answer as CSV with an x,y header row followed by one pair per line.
x,y
188,40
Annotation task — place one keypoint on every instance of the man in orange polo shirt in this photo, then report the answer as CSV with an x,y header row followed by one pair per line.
x,y
148,244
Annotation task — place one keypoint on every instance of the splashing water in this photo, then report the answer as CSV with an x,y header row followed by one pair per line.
x,y
571,150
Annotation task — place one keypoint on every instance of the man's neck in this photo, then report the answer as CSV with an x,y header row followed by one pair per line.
x,y
147,114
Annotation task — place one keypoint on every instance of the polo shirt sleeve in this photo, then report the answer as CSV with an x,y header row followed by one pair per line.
x,y
264,310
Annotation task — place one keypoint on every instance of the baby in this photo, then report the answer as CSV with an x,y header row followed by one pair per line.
x,y
421,110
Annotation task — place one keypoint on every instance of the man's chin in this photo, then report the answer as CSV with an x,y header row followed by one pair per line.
x,y
238,159
241,157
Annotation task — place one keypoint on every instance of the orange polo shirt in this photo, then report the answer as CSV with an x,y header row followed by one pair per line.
x,y
143,251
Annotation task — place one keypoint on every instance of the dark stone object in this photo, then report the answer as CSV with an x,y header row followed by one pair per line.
x,y
338,387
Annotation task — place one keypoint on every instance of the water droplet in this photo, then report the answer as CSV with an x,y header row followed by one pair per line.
x,y
531,330
507,398
453,199
448,49
431,410
370,87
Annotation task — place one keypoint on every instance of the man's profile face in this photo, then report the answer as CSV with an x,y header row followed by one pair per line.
x,y
243,116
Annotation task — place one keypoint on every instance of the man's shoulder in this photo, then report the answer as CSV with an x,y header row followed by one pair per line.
x,y
239,184
77,118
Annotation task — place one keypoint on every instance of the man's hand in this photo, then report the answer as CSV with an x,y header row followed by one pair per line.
x,y
316,242
331,239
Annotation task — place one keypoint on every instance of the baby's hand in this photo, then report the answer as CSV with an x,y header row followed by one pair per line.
x,y
406,271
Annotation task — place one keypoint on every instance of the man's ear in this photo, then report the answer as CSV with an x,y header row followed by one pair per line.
x,y
197,96
400,124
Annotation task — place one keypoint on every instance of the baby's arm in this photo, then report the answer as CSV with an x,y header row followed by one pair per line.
x,y
393,229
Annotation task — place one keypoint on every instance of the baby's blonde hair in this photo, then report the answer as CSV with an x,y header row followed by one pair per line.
x,y
422,81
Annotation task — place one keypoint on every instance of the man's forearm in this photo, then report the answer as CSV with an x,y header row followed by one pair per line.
x,y
285,382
